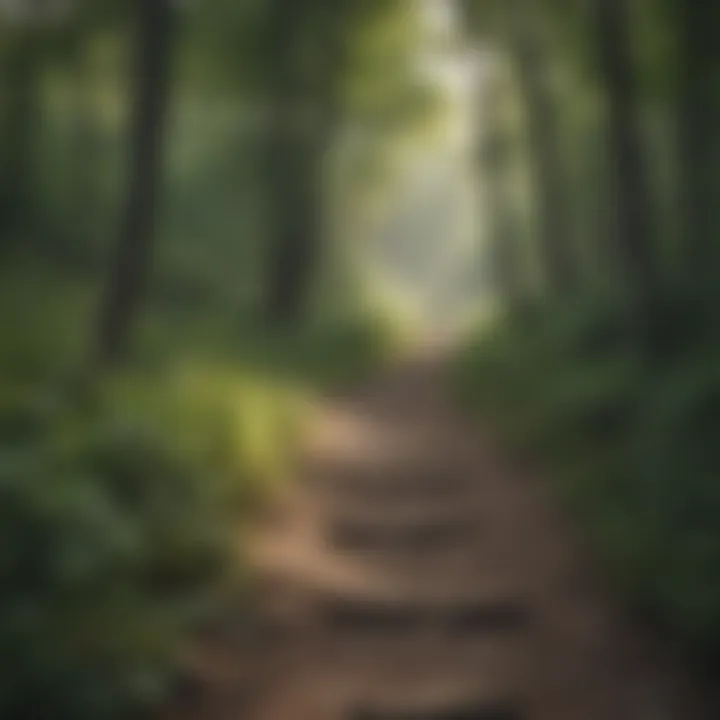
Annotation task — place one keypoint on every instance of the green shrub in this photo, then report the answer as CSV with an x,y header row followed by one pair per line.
x,y
119,512
677,465
551,371
121,500
238,425
109,541
631,436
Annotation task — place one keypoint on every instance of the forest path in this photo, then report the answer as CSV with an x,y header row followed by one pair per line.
x,y
413,573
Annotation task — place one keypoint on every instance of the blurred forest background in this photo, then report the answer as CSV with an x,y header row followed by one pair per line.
x,y
212,211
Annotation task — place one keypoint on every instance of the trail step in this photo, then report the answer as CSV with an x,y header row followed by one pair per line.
x,y
367,616
497,616
468,711
193,691
418,537
467,618
389,487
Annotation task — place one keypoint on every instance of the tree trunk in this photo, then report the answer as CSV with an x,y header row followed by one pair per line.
x,y
21,116
305,114
629,182
130,270
546,164
699,115
296,187
498,211
82,197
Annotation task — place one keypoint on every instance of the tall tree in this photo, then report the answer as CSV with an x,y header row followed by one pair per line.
x,y
530,60
634,225
307,60
290,179
699,118
130,269
504,254
22,70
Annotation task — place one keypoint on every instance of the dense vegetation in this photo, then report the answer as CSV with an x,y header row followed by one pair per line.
x,y
602,359
184,192
170,307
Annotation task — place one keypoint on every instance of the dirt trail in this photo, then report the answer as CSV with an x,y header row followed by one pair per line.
x,y
413,574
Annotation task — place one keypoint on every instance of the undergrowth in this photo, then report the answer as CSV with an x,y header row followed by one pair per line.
x,y
122,495
631,436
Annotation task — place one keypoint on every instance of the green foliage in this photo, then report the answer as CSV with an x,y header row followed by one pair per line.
x,y
234,424
631,439
676,462
121,499
110,542
550,370
120,506
122,496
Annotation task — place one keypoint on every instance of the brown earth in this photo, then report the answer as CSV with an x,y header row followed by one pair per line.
x,y
414,573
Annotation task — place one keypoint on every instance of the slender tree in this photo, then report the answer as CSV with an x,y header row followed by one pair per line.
x,y
22,70
532,72
634,225
131,266
287,191
699,123
493,155
82,205
307,61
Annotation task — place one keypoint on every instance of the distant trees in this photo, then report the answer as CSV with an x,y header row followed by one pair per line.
x,y
45,156
517,28
503,254
530,58
299,62
290,60
598,48
151,86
